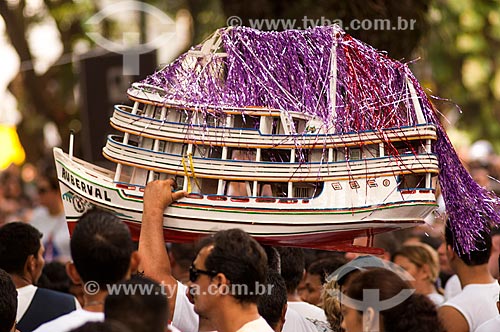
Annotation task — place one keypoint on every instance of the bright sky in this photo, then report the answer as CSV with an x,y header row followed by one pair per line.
x,y
39,39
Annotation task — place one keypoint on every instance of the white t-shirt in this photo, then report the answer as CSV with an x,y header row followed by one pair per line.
x,y
55,234
452,287
308,310
25,296
71,321
294,322
185,319
477,303
492,325
436,298
312,313
258,325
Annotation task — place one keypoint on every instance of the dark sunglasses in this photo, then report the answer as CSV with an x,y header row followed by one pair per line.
x,y
194,273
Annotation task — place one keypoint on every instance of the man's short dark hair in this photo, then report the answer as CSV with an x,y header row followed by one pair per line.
x,y
479,255
183,253
292,266
326,266
18,241
8,302
241,259
54,277
138,303
106,326
271,304
101,247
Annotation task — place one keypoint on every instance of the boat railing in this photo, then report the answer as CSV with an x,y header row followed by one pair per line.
x,y
214,197
124,119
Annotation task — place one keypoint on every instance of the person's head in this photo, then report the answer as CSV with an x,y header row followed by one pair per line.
x,y
292,266
273,258
181,256
231,263
316,276
421,262
11,183
409,312
54,277
21,250
478,255
102,249
106,326
139,303
8,302
272,304
347,272
331,304
48,189
386,241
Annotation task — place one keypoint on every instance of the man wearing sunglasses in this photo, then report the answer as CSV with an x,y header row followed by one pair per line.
x,y
224,277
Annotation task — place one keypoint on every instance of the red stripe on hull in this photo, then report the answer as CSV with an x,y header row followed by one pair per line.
x,y
338,240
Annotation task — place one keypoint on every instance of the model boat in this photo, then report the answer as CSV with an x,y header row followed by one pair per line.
x,y
312,161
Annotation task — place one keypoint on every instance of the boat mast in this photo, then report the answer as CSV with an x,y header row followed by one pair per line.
x,y
333,89
333,79
71,143
416,103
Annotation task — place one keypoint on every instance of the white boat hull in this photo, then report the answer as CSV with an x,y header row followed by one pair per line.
x,y
320,222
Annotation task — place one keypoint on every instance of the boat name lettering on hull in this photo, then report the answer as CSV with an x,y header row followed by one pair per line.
x,y
85,187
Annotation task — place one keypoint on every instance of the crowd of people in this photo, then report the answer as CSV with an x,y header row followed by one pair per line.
x,y
100,280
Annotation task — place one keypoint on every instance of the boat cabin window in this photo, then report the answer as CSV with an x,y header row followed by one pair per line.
x,y
274,189
157,113
307,190
245,121
241,154
405,147
185,116
275,155
239,188
354,153
173,115
207,151
175,148
277,127
215,119
299,125
364,152
340,155
411,181
311,155
209,186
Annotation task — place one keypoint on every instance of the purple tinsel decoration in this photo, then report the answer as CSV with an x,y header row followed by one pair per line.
x,y
291,71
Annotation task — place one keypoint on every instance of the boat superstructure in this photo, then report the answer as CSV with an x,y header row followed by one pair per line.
x,y
286,177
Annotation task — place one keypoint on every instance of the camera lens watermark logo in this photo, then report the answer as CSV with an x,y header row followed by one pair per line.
x,y
371,302
130,46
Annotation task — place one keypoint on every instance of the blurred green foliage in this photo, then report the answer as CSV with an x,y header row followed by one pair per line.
x,y
460,61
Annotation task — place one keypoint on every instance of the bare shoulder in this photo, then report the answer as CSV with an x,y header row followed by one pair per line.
x,y
452,319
